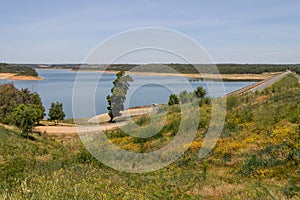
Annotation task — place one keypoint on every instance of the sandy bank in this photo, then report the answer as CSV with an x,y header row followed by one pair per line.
x,y
131,112
229,77
99,122
12,76
232,77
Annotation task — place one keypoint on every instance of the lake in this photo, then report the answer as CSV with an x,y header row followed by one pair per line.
x,y
144,90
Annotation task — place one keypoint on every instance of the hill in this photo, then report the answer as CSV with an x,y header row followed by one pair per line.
x,y
257,157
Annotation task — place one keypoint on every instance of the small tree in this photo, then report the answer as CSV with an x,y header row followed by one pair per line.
x,y
173,99
185,97
118,95
200,92
56,112
24,117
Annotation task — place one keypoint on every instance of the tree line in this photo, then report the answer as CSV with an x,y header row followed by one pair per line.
x,y
17,69
187,97
229,68
25,109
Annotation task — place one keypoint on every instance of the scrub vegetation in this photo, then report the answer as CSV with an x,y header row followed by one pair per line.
x,y
17,69
256,157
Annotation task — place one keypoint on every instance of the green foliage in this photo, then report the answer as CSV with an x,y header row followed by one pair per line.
x,y
288,81
142,121
18,69
173,99
24,117
118,95
232,102
251,165
191,69
56,112
11,97
186,97
259,159
200,92
292,188
37,101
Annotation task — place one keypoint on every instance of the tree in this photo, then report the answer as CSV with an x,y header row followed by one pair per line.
x,y
200,92
118,95
56,112
11,97
36,101
25,117
173,99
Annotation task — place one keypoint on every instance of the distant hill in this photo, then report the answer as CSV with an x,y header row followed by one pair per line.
x,y
187,68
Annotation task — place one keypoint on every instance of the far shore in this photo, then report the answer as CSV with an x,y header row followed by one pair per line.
x,y
12,76
229,77
237,77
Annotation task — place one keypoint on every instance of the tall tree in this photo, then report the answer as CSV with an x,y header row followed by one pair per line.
x,y
56,112
9,99
37,102
118,95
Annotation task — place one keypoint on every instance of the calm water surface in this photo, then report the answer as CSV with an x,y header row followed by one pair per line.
x,y
145,90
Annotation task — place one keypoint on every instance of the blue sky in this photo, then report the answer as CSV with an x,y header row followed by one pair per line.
x,y
257,31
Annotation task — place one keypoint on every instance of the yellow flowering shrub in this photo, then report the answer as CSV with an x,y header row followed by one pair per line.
x,y
286,132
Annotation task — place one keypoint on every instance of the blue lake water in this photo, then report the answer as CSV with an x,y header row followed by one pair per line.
x,y
144,90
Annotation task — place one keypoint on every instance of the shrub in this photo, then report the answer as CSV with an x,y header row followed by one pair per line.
x,y
186,97
173,99
200,92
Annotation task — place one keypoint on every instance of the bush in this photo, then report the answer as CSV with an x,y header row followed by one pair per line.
x,y
25,117
186,97
200,92
11,97
173,99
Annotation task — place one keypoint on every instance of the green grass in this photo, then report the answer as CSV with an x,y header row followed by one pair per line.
x,y
257,157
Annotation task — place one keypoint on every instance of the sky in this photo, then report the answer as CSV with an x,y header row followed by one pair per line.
x,y
231,31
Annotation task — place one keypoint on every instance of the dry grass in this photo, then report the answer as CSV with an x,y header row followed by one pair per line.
x,y
12,76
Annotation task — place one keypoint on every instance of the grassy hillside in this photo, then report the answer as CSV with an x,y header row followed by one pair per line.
x,y
257,157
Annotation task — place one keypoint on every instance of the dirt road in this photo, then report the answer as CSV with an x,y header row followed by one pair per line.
x,y
96,123
259,85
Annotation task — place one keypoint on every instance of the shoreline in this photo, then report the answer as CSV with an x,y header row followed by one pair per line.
x,y
230,77
225,77
16,77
